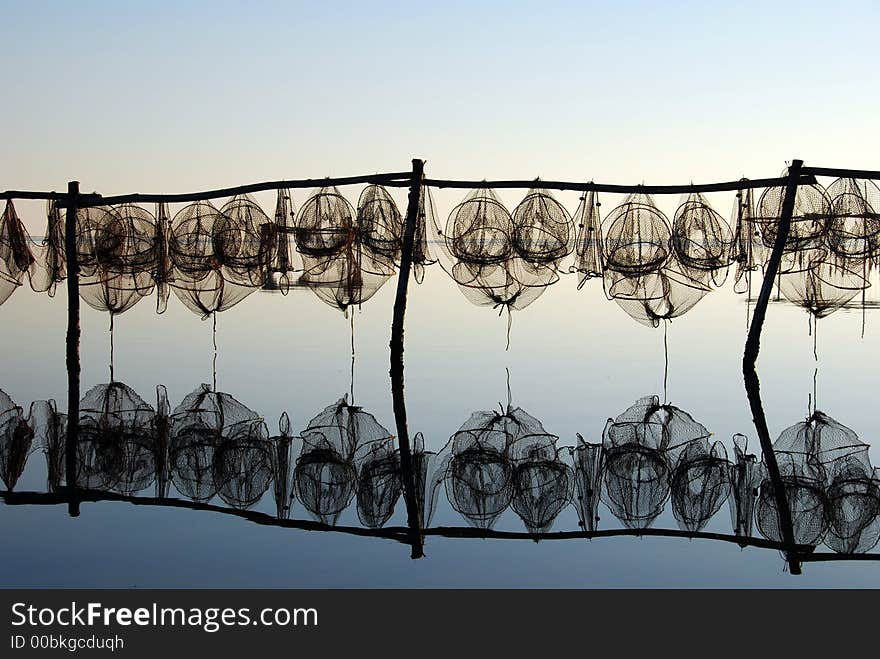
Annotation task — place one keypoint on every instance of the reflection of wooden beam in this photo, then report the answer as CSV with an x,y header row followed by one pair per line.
x,y
397,326
750,375
73,333
402,534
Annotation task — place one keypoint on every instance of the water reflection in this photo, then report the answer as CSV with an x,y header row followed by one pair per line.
x,y
211,446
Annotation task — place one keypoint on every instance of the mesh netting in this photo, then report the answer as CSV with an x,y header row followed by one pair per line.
x,y
643,276
747,475
16,441
203,422
589,260
748,251
700,484
589,464
379,483
810,454
854,224
640,444
809,219
344,261
50,430
282,454
16,258
637,239
701,238
326,470
49,266
115,446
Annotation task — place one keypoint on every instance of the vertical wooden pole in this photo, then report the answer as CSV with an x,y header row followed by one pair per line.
x,y
73,333
750,356
406,462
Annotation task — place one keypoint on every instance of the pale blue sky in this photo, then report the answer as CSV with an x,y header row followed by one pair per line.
x,y
154,96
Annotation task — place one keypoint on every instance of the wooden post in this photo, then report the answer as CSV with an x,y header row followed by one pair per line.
x,y
750,356
406,463
73,333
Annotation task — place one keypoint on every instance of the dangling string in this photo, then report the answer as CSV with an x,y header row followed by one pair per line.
x,y
748,296
509,395
816,360
864,288
509,323
214,362
665,358
112,379
351,387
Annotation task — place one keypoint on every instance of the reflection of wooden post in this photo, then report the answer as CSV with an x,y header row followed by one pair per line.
x,y
750,356
73,367
406,463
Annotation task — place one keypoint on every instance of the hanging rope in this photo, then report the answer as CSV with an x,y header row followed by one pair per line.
x,y
112,379
665,358
214,362
351,384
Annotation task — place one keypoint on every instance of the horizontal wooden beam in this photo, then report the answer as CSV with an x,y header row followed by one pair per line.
x,y
841,173
397,179
726,186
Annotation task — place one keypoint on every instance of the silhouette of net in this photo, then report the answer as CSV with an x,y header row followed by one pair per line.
x,y
700,484
701,239
640,444
748,251
479,483
542,483
242,464
854,223
282,455
589,260
589,464
809,454
809,219
206,250
429,472
15,254
16,441
747,475
345,263
49,266
379,483
115,444
283,258
50,429
425,219
326,472
819,286
203,422
642,274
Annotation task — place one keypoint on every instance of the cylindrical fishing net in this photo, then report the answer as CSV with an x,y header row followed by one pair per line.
x,y
115,445
700,484
326,473
200,424
809,219
379,482
701,239
640,445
